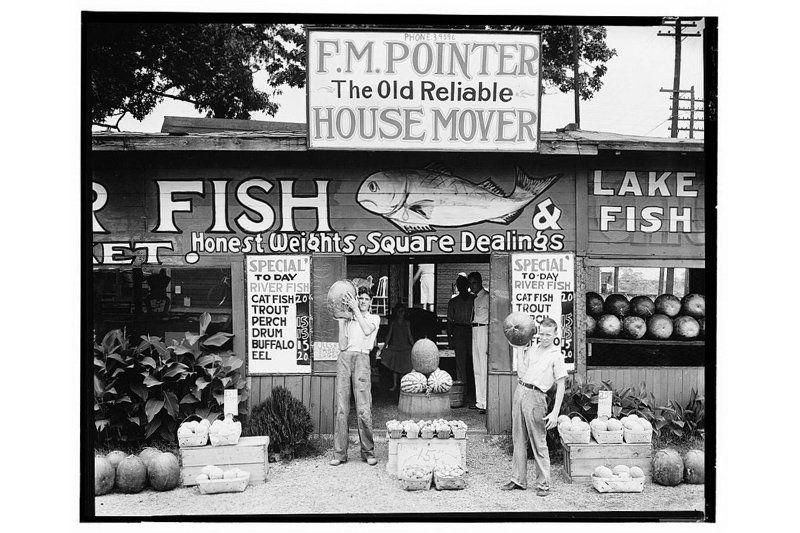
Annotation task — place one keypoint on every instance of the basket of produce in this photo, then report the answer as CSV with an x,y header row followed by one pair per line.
x,y
449,477
574,430
426,430
459,429
213,480
394,429
637,430
442,429
621,478
416,476
224,432
606,430
193,431
410,428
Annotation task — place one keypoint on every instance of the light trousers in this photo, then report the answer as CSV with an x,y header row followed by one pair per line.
x,y
527,423
352,368
480,351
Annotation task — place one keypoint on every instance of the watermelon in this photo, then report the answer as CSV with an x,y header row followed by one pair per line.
x,y
148,453
591,326
603,471
686,327
693,305
642,306
104,475
334,300
634,327
594,304
439,381
619,469
115,457
519,328
694,467
164,472
667,468
609,326
636,472
424,356
618,305
668,304
659,327
131,475
413,382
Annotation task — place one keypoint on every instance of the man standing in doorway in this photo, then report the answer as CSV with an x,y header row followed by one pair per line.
x,y
427,283
459,329
480,338
356,340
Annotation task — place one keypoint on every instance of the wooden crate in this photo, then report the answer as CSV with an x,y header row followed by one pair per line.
x,y
250,454
580,460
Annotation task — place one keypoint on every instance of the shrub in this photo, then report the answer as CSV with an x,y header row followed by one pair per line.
x,y
683,423
143,392
285,419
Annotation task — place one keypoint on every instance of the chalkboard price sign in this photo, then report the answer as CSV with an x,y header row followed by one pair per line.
x,y
304,345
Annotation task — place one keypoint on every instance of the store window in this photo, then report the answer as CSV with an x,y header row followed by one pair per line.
x,y
643,281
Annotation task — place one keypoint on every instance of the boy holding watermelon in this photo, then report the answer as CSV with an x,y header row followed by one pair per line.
x,y
538,369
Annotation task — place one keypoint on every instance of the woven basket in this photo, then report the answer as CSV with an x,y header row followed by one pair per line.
x,y
427,433
217,486
638,437
449,483
417,484
412,434
443,434
459,433
395,433
607,437
196,439
229,439
635,484
575,437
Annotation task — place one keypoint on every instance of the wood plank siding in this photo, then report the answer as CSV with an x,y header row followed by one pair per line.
x,y
666,383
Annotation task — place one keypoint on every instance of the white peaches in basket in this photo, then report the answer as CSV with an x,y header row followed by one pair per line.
x,y
606,424
618,473
575,423
636,423
194,427
417,471
213,472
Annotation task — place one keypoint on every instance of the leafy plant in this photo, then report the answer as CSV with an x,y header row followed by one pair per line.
x,y
143,392
285,419
682,423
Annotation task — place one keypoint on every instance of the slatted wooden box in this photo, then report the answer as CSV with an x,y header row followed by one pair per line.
x,y
580,460
249,454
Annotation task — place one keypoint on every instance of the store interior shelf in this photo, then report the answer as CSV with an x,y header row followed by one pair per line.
x,y
210,310
646,341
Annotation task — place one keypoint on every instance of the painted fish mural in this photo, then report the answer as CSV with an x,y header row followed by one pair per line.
x,y
419,200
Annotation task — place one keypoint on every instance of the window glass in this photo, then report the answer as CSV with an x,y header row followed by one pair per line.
x,y
643,281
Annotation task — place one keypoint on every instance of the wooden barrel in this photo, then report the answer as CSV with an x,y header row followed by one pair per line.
x,y
418,405
457,392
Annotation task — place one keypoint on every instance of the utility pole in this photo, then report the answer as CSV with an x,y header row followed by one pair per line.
x,y
675,108
577,79
678,24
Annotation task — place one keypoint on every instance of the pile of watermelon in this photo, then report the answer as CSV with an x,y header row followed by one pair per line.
x,y
130,474
668,317
670,469
426,377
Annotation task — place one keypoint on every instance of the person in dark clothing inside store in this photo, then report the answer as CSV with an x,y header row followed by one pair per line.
x,y
459,331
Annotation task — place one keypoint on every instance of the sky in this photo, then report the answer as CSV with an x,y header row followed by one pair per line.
x,y
629,101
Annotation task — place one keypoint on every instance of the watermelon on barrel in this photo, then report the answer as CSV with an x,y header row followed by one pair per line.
x,y
634,327
594,304
591,326
642,306
609,326
686,327
104,475
413,382
659,327
334,300
131,475
164,472
618,305
519,328
694,467
694,305
439,381
667,468
424,356
668,304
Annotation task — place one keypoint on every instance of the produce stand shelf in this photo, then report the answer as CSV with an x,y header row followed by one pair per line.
x,y
580,460
645,341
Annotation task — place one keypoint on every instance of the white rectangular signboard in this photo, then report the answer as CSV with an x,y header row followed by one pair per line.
x,y
423,90
278,293
542,285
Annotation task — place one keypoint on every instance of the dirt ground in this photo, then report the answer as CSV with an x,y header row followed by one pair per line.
x,y
310,486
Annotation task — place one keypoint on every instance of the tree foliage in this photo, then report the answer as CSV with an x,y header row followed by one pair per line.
x,y
133,67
